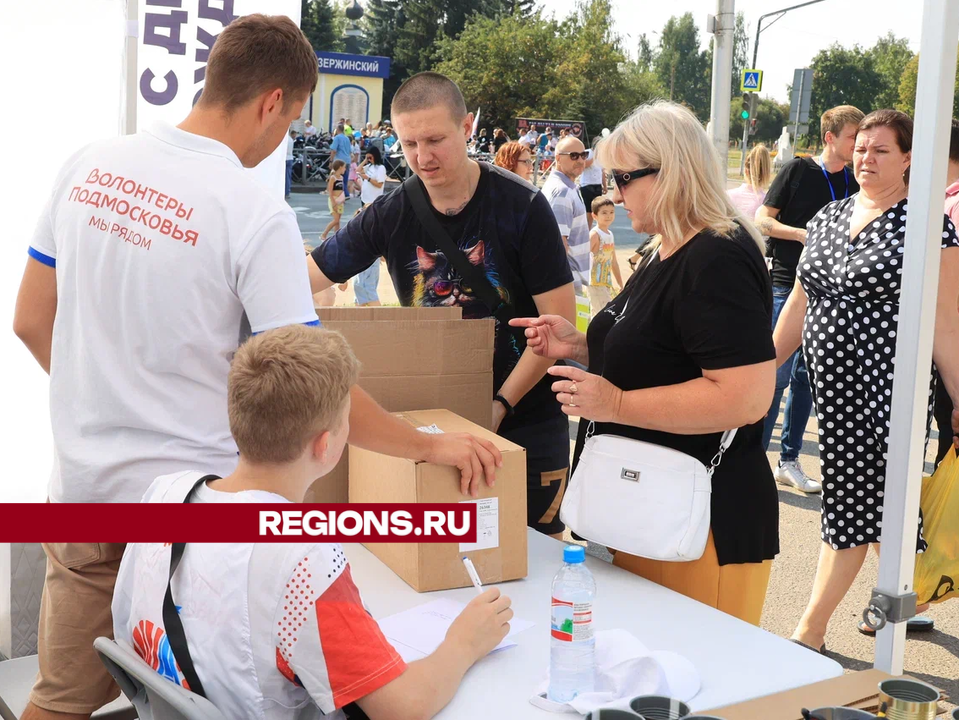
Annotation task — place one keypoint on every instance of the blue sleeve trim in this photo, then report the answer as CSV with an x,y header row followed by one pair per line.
x,y
313,323
41,258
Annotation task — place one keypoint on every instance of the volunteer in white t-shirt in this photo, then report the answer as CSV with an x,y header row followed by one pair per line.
x,y
154,255
308,129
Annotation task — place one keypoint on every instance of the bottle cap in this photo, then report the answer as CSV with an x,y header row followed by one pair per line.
x,y
573,554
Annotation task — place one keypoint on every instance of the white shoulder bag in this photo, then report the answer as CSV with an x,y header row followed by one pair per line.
x,y
641,498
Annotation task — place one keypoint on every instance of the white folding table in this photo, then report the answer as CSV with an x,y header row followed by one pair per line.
x,y
736,661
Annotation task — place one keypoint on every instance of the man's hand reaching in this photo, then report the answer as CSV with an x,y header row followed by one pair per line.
x,y
475,458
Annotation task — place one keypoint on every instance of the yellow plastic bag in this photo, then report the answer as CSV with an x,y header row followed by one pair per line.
x,y
583,312
936,576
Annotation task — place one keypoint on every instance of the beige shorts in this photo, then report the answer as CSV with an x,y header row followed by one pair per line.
x,y
600,295
74,611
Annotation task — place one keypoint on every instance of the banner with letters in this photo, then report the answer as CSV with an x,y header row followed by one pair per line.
x,y
577,127
175,37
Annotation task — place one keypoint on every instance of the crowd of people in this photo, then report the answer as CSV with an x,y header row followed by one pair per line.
x,y
236,395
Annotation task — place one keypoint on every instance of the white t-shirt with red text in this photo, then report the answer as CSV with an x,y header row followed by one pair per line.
x,y
166,251
276,631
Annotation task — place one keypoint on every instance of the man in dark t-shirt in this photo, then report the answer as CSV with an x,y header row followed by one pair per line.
x,y
502,225
802,187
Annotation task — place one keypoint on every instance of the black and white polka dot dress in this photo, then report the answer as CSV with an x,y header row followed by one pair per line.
x,y
849,342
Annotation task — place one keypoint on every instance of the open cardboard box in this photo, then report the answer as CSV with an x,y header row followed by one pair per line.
x,y
413,359
500,552
856,690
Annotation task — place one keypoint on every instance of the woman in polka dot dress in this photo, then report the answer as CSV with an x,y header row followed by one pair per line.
x,y
846,316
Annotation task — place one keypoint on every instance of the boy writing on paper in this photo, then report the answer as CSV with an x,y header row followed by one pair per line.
x,y
272,628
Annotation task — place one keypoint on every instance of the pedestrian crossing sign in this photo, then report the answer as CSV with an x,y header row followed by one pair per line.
x,y
751,80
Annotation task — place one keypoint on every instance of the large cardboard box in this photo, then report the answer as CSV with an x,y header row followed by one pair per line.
x,y
414,359
500,552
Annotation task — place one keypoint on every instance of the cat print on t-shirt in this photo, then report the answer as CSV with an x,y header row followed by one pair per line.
x,y
437,282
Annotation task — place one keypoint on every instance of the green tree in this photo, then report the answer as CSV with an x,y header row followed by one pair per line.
x,y
414,47
382,20
907,90
515,65
740,42
323,24
771,117
682,67
592,59
645,54
427,22
508,67
842,76
890,55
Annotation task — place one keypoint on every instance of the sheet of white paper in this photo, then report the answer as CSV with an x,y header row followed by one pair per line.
x,y
430,429
488,525
417,632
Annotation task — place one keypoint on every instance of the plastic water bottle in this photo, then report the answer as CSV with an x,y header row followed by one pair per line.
x,y
572,660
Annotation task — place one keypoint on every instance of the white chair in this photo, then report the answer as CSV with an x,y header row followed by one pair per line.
x,y
153,696
16,680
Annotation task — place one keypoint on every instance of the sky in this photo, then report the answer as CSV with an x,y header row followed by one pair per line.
x,y
788,44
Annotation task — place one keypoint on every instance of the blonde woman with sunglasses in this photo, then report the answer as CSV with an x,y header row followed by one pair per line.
x,y
684,352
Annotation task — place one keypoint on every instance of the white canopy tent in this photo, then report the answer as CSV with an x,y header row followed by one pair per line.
x,y
918,299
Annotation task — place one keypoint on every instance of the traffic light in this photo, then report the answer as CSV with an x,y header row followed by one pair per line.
x,y
745,112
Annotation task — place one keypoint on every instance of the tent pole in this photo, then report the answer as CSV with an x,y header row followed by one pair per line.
x,y
918,298
128,120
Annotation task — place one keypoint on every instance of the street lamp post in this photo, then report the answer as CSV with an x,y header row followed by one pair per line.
x,y
776,15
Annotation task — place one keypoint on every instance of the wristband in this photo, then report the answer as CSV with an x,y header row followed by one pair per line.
x,y
503,401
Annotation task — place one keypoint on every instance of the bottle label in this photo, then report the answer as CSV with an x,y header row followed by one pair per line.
x,y
570,621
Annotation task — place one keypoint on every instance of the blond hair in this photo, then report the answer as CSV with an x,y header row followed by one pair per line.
x,y
757,167
836,119
690,185
285,387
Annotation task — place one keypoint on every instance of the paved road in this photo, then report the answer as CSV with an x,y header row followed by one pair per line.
x,y
313,216
930,656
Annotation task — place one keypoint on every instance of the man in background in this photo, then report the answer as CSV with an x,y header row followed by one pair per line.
x,y
801,188
342,149
564,197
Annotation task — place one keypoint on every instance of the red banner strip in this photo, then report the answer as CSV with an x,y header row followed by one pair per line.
x,y
238,522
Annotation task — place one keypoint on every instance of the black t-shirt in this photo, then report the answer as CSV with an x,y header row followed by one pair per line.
x,y
799,191
507,227
706,307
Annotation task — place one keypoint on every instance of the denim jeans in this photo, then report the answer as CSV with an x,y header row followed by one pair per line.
x,y
792,374
289,177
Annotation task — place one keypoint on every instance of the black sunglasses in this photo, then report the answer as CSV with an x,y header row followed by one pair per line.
x,y
576,155
625,178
